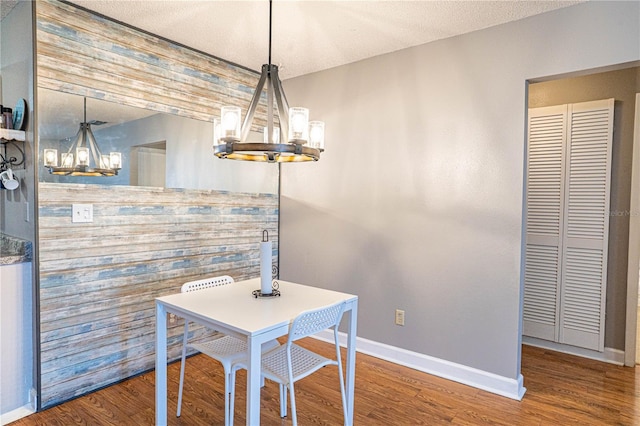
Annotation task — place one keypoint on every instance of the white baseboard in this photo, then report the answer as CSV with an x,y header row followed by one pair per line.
x,y
610,355
33,399
510,388
16,414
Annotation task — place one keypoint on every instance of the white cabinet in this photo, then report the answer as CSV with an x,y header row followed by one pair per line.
x,y
16,348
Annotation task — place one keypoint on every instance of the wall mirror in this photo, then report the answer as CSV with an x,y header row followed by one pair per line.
x,y
158,149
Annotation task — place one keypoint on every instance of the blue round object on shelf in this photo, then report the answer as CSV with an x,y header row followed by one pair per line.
x,y
19,114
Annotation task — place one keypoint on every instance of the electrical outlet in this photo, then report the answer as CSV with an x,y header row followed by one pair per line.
x,y
399,317
81,213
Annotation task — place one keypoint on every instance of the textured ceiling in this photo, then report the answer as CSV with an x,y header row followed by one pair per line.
x,y
310,36
6,6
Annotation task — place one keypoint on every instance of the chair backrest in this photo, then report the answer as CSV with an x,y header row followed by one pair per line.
x,y
314,321
206,283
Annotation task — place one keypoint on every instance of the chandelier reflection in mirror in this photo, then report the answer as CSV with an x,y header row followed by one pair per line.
x,y
292,139
83,158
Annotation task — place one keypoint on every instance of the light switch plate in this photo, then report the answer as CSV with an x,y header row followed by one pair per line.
x,y
81,213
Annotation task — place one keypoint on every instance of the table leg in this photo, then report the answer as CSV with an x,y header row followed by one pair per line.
x,y
253,381
161,365
351,361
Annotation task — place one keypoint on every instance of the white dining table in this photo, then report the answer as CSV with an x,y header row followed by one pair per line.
x,y
232,309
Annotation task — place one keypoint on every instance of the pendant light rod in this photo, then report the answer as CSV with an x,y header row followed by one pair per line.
x,y
292,138
270,18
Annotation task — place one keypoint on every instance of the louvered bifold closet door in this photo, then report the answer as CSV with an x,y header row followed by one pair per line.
x,y
586,229
545,197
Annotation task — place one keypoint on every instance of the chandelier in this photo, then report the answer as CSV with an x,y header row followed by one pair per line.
x,y
88,160
292,139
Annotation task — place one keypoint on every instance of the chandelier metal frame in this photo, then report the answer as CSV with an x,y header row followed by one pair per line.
x,y
287,150
84,138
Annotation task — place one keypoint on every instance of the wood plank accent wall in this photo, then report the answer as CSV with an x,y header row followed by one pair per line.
x,y
85,54
98,280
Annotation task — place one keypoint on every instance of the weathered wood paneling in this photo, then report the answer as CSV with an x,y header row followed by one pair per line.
x,y
88,55
98,280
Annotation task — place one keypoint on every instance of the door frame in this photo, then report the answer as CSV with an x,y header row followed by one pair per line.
x,y
633,269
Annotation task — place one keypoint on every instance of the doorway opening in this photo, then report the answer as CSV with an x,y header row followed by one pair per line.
x,y
634,247
149,164
622,317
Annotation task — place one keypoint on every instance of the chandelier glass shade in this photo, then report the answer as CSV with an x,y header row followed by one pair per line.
x,y
293,138
83,158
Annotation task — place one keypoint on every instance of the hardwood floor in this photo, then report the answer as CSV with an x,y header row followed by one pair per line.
x,y
561,390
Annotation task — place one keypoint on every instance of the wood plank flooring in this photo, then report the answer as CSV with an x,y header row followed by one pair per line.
x,y
561,390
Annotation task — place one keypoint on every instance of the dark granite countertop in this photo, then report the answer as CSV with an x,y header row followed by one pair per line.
x,y
14,250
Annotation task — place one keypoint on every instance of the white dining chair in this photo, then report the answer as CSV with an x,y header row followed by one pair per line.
x,y
289,363
226,349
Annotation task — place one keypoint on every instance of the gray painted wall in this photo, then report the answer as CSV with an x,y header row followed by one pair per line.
x,y
622,85
417,202
16,66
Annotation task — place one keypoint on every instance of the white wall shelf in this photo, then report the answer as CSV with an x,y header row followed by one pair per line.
x,y
7,135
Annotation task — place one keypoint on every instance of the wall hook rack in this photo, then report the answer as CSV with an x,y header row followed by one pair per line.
x,y
7,162
14,156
